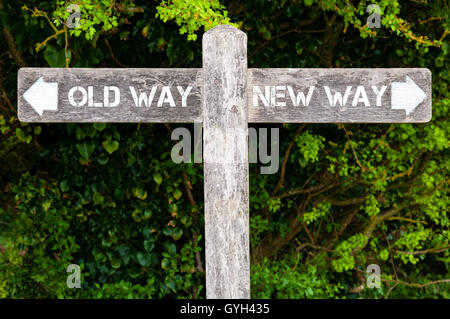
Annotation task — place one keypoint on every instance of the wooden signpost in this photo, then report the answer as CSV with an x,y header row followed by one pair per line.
x,y
225,96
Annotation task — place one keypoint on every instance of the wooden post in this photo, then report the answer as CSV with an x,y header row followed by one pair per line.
x,y
226,163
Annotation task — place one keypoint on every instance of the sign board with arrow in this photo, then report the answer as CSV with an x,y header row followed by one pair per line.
x,y
109,95
274,95
339,95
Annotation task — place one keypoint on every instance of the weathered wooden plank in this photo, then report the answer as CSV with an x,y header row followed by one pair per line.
x,y
226,163
279,100
404,95
78,95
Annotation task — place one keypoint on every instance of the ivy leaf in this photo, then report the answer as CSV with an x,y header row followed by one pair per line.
x,y
115,263
85,150
144,259
171,284
64,186
147,213
167,231
124,252
102,159
171,247
177,194
98,198
111,146
149,245
165,263
99,126
146,232
47,204
55,58
177,233
140,193
157,178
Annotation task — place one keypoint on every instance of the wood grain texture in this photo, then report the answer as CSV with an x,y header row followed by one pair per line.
x,y
319,109
226,163
299,80
141,79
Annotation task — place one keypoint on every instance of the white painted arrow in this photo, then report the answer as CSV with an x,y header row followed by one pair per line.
x,y
406,95
42,96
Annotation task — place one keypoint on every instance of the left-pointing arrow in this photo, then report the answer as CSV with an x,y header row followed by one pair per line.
x,y
42,96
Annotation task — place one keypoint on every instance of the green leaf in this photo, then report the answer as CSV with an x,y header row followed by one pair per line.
x,y
146,232
157,178
111,146
38,130
85,150
177,233
22,136
115,263
98,198
171,284
140,193
99,126
177,194
124,252
384,254
170,247
165,263
102,159
445,47
47,204
144,259
149,245
147,213
64,186
167,231
55,58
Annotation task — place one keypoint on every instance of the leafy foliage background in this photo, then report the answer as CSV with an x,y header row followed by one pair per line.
x,y
108,197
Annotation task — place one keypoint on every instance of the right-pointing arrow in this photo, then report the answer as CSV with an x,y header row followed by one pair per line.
x,y
42,96
406,95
